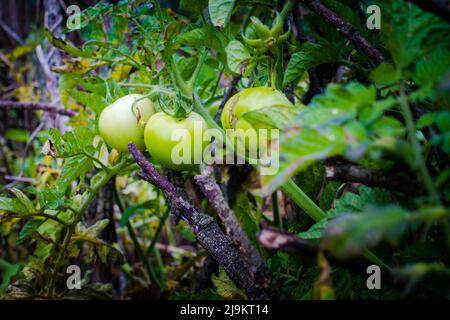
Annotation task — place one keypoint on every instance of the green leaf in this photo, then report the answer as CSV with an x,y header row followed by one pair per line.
x,y
409,32
238,58
220,12
23,199
385,74
28,229
74,167
12,205
91,100
206,36
8,271
317,230
431,68
350,202
43,250
67,82
299,148
426,120
91,233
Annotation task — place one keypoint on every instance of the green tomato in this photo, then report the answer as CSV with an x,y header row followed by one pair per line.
x,y
176,143
120,123
247,100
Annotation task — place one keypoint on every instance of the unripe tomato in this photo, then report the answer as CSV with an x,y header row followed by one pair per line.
x,y
120,123
250,99
176,143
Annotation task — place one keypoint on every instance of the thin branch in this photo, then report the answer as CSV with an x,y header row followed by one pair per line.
x,y
347,29
376,178
206,182
208,233
440,8
31,105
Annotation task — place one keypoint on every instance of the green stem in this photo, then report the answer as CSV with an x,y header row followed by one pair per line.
x,y
154,88
279,69
276,211
287,9
198,68
216,85
159,14
87,198
157,232
415,145
5,265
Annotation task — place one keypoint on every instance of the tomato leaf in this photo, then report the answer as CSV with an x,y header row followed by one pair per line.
x,y
220,12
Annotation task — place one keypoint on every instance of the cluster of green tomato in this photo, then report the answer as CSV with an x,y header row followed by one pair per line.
x,y
133,118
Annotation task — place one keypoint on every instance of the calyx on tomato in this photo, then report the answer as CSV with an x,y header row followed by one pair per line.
x,y
268,38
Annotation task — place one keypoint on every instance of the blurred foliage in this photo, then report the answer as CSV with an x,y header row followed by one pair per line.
x,y
138,47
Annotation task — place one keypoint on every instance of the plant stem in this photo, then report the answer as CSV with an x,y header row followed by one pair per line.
x,y
154,88
4,265
303,201
157,232
415,145
148,267
279,69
